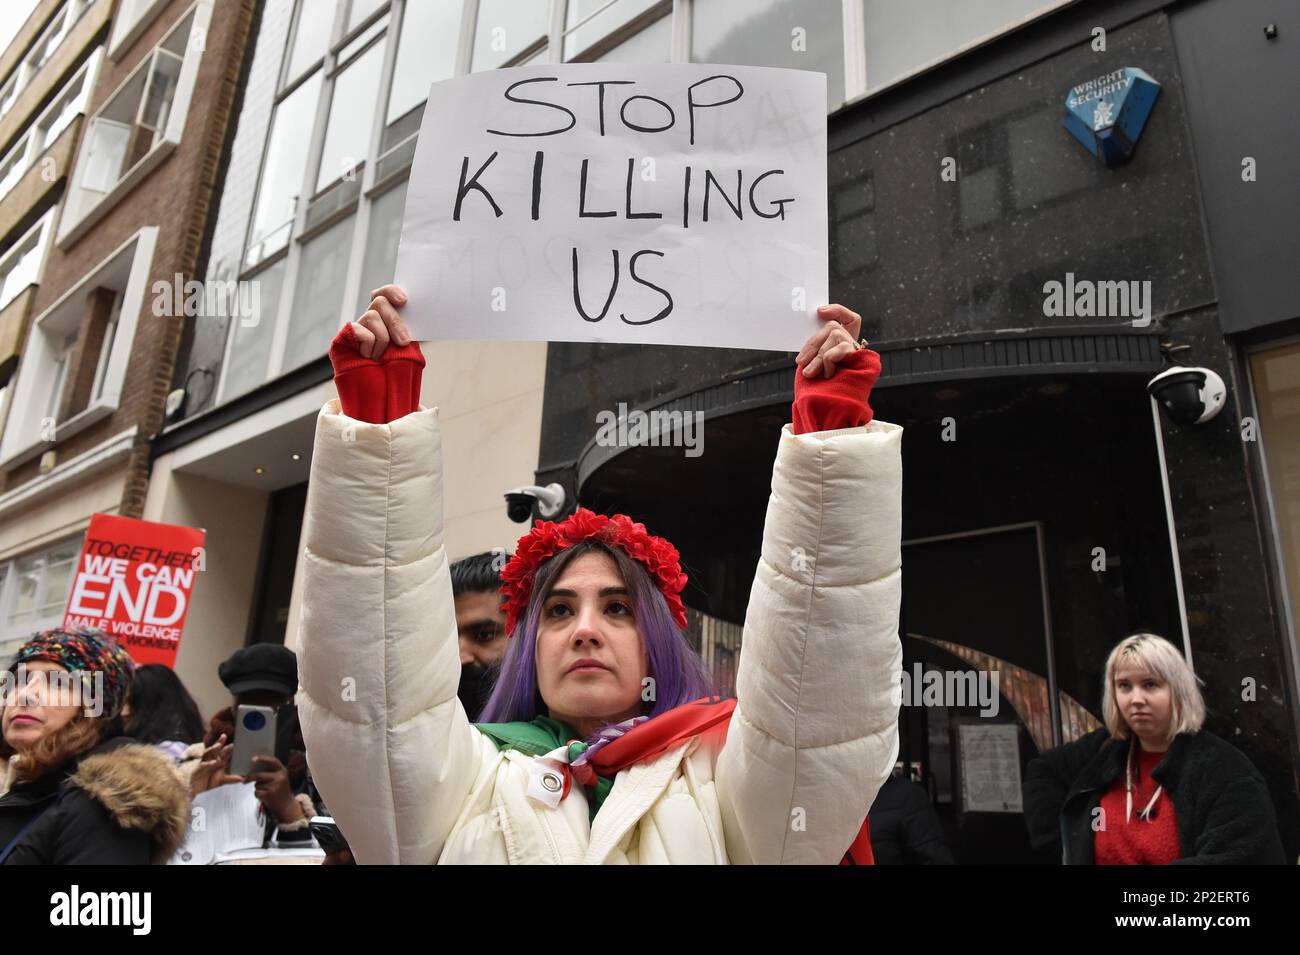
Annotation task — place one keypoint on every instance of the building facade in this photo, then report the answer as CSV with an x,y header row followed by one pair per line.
x,y
1049,507
314,188
117,119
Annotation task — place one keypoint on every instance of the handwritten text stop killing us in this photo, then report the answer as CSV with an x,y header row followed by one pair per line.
x,y
704,192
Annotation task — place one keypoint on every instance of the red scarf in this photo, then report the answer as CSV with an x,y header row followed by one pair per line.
x,y
709,716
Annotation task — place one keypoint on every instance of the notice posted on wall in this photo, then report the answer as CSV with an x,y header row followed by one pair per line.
x,y
668,203
134,580
990,767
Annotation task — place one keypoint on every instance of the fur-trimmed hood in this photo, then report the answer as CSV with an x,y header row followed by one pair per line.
x,y
140,790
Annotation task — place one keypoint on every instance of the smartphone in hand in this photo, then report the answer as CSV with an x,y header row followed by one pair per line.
x,y
255,734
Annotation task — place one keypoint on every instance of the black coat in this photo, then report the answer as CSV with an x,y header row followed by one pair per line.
x,y
1220,801
904,827
120,804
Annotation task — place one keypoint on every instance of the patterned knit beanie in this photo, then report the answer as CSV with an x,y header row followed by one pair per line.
x,y
83,651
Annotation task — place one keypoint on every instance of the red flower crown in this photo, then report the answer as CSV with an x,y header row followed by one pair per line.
x,y
547,538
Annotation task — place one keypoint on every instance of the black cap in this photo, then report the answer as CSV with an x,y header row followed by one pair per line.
x,y
262,666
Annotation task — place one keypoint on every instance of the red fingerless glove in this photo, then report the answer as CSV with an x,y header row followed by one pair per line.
x,y
824,404
376,391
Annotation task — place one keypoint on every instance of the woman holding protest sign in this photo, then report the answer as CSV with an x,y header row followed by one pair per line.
x,y
76,791
601,743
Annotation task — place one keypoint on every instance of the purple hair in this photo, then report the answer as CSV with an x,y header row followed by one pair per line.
x,y
678,672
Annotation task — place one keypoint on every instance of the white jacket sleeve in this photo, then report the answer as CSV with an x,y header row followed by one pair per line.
x,y
814,733
389,744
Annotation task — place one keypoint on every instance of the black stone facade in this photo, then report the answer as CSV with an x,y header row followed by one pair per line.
x,y
949,278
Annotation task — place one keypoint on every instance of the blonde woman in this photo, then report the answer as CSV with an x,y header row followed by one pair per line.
x,y
1152,787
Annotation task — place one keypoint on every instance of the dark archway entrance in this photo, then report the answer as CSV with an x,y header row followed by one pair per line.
x,y
1071,456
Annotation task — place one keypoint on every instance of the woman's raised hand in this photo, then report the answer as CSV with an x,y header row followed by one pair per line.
x,y
830,343
380,323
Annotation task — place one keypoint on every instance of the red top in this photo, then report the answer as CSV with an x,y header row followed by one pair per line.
x,y
1137,842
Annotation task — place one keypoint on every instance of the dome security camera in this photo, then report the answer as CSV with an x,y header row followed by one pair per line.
x,y
520,501
1189,395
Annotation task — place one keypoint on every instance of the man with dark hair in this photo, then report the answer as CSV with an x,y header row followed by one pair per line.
x,y
481,623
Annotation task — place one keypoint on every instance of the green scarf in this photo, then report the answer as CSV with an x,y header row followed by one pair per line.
x,y
540,737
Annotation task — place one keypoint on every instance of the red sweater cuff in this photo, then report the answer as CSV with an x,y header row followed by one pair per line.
x,y
825,404
376,391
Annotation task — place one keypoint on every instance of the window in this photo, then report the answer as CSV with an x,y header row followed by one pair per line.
x,y
361,9
351,77
68,103
13,165
8,93
381,243
39,53
311,37
1275,375
130,21
355,44
21,266
61,346
6,377
73,365
249,348
127,136
318,293
796,34
132,123
426,53
49,40
282,171
901,38
34,591
586,22
506,28
106,349
651,45
77,382
347,134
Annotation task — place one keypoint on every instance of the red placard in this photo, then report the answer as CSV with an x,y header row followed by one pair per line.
x,y
134,580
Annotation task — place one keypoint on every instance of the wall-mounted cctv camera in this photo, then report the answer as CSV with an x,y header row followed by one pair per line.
x,y
1189,395
175,400
520,501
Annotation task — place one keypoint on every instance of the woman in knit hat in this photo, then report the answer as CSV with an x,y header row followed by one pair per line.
x,y
602,745
76,792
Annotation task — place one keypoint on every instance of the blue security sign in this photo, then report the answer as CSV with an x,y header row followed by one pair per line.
x,y
1107,114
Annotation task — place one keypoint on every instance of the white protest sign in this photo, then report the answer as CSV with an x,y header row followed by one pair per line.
x,y
670,204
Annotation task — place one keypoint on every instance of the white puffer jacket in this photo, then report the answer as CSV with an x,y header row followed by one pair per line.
x,y
410,780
